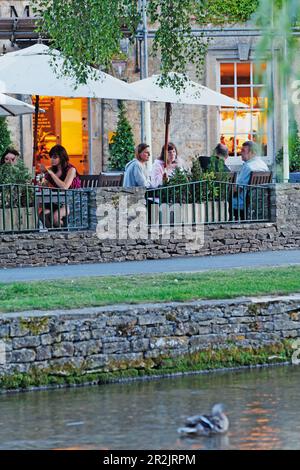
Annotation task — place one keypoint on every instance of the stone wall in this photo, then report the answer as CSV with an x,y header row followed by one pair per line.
x,y
120,337
32,249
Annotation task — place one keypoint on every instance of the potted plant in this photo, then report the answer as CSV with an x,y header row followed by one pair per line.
x,y
122,147
294,154
16,197
203,199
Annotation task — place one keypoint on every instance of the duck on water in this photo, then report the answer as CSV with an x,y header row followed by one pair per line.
x,y
206,425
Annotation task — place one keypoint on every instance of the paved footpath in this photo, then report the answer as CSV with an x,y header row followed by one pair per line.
x,y
169,265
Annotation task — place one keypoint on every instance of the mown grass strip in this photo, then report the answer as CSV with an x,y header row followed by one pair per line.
x,y
88,292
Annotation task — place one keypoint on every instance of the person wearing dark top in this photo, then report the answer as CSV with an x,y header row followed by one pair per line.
x,y
218,160
61,175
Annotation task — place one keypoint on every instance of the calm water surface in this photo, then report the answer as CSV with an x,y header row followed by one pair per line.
x,y
263,409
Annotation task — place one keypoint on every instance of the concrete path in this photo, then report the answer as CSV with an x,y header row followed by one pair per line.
x,y
170,265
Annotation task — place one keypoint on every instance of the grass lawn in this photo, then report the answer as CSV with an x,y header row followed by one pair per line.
x,y
88,292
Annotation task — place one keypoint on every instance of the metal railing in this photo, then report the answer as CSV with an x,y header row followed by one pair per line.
x,y
208,202
26,208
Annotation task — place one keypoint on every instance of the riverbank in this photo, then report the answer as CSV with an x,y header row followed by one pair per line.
x,y
231,359
103,344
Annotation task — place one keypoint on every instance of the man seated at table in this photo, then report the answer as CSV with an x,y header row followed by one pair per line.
x,y
251,163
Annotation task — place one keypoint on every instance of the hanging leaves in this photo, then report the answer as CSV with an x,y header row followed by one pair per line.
x,y
88,32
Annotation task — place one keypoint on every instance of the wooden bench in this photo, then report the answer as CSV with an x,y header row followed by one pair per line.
x,y
101,181
110,180
90,181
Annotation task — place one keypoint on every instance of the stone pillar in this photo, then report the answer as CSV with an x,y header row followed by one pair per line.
x,y
118,213
287,207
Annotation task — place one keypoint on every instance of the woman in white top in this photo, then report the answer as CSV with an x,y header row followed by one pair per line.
x,y
159,170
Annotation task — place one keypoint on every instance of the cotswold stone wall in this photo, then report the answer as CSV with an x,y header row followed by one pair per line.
x,y
120,337
89,247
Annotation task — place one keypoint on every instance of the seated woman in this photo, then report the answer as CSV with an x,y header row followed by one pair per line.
x,y
10,156
136,170
61,175
159,172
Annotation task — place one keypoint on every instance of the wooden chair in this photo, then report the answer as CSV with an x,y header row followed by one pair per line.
x,y
110,181
232,177
90,181
260,177
229,177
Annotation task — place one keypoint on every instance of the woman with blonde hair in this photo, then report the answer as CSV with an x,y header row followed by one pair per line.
x,y
136,170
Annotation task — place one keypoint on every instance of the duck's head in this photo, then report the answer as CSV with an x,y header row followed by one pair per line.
x,y
218,409
219,418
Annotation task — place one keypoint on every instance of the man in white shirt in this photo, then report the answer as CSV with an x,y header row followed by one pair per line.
x,y
251,163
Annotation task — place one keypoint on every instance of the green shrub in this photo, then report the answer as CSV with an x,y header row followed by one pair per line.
x,y
14,175
122,145
294,147
196,173
5,140
208,190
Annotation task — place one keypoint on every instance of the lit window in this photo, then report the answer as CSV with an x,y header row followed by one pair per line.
x,y
242,82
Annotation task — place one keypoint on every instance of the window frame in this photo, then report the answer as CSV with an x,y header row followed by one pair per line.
x,y
252,85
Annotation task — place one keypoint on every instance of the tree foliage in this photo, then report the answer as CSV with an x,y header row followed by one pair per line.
x,y
294,145
122,146
277,18
227,11
5,139
89,31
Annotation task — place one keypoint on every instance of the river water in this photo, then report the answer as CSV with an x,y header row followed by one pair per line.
x,y
262,406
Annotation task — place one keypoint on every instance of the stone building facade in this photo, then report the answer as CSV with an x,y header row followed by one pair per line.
x,y
195,130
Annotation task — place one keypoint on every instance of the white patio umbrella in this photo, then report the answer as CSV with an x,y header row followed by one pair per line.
x,y
192,94
11,107
29,71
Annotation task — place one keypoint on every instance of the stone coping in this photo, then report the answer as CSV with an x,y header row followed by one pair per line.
x,y
134,308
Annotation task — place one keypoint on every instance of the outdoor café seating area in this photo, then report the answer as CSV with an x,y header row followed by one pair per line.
x,y
29,208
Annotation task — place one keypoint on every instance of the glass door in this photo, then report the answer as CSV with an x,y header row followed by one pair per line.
x,y
74,132
64,122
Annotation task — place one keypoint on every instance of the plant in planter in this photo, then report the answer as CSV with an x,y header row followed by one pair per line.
x,y
18,178
294,148
196,172
16,198
177,194
203,199
122,145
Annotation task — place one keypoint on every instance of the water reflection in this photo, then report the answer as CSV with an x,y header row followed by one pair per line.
x,y
262,408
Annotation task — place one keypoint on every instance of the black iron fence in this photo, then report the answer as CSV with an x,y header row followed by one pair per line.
x,y
25,208
208,202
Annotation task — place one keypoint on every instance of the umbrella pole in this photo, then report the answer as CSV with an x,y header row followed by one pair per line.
x,y
168,110
35,132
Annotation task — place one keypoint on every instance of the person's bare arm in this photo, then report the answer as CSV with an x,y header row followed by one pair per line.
x,y
68,180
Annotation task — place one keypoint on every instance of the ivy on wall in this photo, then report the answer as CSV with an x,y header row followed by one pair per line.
x,y
228,11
